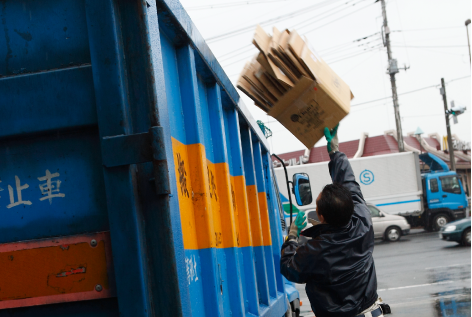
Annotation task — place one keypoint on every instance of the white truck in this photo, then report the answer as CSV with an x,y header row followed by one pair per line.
x,y
394,183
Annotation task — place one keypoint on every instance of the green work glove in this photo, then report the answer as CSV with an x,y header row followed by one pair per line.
x,y
298,224
332,138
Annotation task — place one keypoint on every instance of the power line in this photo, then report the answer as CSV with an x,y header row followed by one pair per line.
x,y
429,29
350,56
439,52
279,18
319,27
424,115
251,49
358,64
444,46
335,52
346,44
237,50
232,4
324,17
237,61
347,56
409,92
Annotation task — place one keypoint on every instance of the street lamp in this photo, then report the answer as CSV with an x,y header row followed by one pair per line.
x,y
418,134
467,22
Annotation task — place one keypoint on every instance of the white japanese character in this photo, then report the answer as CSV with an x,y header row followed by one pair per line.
x,y
50,186
19,188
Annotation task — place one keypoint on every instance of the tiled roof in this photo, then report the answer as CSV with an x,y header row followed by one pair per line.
x,y
319,154
290,155
433,142
412,141
377,145
382,144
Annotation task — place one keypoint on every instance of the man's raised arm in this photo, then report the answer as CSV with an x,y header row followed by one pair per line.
x,y
339,167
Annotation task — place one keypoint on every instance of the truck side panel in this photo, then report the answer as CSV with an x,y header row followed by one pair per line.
x,y
388,181
133,181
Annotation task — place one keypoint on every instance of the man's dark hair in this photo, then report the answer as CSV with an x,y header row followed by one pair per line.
x,y
335,204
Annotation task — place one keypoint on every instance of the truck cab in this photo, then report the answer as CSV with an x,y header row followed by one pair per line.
x,y
444,197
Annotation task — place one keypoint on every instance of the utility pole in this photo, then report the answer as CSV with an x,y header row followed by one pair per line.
x,y
467,22
448,127
392,70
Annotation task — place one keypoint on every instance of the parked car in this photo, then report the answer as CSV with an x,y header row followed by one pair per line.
x,y
457,231
386,226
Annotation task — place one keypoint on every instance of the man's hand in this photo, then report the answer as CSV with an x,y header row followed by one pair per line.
x,y
298,224
332,138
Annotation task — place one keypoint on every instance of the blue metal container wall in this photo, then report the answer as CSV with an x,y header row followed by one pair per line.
x,y
117,118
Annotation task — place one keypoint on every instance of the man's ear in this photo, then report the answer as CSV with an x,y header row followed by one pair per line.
x,y
321,218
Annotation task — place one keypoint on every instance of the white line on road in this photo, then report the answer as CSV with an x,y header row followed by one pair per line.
x,y
438,267
412,286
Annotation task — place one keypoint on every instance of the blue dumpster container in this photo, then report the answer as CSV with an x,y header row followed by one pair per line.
x,y
133,180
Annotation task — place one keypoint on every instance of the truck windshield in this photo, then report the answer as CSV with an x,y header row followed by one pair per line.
x,y
450,184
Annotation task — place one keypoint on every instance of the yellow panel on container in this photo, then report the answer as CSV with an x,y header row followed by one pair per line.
x,y
254,215
185,193
242,211
265,224
226,207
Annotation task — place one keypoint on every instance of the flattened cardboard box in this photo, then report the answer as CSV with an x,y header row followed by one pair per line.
x,y
306,110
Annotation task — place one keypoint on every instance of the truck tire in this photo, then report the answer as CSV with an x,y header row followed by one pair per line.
x,y
393,234
289,312
466,237
295,307
439,220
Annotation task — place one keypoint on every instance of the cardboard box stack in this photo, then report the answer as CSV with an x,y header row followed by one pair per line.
x,y
291,83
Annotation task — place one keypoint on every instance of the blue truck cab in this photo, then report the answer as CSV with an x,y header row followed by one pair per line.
x,y
444,198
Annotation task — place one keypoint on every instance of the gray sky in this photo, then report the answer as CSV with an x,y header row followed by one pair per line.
x,y
428,36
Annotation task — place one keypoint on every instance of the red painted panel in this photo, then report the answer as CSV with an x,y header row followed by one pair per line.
x,y
56,270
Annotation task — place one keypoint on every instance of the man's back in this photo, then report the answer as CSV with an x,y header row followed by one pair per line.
x,y
336,263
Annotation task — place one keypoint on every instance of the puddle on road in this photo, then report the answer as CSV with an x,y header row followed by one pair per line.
x,y
454,301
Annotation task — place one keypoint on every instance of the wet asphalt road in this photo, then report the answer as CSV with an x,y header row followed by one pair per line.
x,y
420,276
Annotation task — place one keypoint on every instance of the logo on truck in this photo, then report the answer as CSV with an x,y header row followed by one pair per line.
x,y
367,177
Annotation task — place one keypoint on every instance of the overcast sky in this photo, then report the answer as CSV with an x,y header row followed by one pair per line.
x,y
429,36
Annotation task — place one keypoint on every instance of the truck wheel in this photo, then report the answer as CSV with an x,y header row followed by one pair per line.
x,y
393,234
295,307
466,237
289,313
439,221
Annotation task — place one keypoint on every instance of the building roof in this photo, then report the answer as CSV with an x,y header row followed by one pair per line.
x,y
376,145
382,144
433,142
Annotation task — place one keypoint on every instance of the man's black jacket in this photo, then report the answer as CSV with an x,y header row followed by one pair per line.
x,y
336,264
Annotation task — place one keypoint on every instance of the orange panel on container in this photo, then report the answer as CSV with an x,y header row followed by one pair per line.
x,y
52,268
185,193
254,215
226,207
201,196
265,224
244,234
215,201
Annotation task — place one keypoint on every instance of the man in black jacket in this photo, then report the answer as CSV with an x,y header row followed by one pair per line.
x,y
336,263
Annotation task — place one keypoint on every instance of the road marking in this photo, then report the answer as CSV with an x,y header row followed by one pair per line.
x,y
413,286
421,285
438,267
